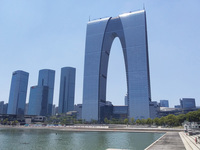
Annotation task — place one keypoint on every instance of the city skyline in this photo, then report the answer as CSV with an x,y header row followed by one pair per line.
x,y
39,33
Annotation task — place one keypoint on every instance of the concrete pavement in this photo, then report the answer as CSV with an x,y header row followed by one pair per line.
x,y
170,141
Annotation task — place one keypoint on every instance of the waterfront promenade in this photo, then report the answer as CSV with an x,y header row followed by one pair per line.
x,y
170,141
175,141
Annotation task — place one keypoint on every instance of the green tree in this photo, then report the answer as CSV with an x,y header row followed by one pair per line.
x,y
94,121
193,116
132,120
162,121
143,121
156,121
5,121
138,121
64,121
106,120
149,121
171,120
113,121
181,118
126,121
16,122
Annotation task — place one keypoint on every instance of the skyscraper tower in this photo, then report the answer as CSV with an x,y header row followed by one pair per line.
x,y
131,29
47,78
41,95
38,101
67,89
18,90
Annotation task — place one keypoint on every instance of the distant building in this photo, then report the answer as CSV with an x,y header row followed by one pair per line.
x,y
5,108
108,103
177,106
154,108
18,90
120,112
164,111
1,107
67,90
164,103
78,108
187,103
106,111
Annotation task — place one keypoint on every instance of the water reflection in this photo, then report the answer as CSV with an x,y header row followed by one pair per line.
x,y
40,139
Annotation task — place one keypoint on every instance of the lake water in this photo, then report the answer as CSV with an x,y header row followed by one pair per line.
x,y
44,139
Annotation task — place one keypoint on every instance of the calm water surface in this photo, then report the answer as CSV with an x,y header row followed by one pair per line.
x,y
44,139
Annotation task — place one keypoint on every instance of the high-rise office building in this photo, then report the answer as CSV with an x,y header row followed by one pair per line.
x,y
41,96
187,103
47,78
38,101
1,107
131,29
18,90
164,103
5,108
67,89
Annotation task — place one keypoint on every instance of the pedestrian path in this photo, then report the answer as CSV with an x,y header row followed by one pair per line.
x,y
170,141
189,141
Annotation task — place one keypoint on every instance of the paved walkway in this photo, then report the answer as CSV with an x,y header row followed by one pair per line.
x,y
170,141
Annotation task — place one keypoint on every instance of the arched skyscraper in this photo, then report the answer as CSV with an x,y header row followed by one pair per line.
x,y
131,29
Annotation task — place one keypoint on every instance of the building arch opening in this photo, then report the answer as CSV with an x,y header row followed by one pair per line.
x,y
116,76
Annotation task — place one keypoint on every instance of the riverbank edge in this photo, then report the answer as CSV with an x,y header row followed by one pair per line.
x,y
155,142
94,128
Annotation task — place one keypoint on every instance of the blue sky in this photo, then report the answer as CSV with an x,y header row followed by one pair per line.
x,y
49,34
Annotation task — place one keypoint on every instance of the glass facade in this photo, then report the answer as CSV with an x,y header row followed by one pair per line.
x,y
38,101
164,103
18,90
5,108
120,112
153,107
47,78
67,89
130,28
187,103
1,107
